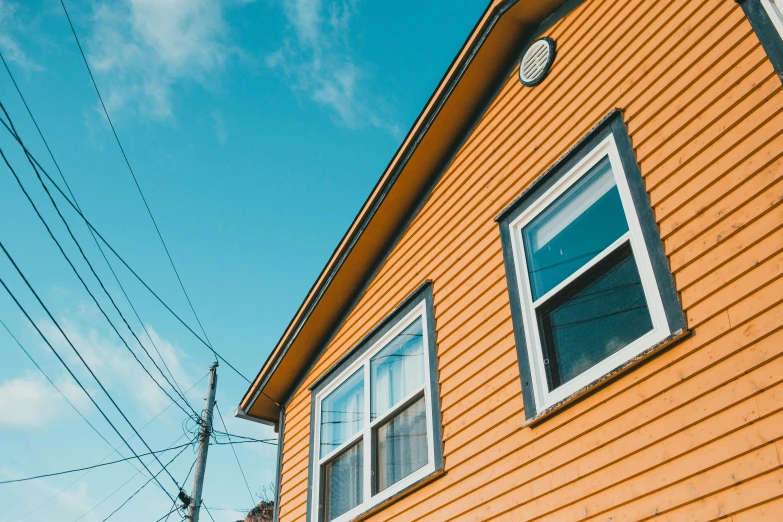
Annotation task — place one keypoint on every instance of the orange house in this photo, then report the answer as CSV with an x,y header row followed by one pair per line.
x,y
563,300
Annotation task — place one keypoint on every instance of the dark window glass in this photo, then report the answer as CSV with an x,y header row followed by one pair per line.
x,y
401,446
342,487
604,311
579,225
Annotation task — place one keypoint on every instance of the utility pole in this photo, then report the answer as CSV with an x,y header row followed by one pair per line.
x,y
203,446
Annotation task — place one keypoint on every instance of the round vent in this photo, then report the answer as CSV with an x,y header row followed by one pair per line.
x,y
536,62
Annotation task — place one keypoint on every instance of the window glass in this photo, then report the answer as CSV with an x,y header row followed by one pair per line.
x,y
401,445
397,370
342,413
382,401
343,482
579,225
598,317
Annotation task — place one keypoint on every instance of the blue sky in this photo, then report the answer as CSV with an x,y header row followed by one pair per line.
x,y
256,130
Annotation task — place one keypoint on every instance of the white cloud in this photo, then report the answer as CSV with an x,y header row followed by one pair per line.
x,y
9,45
32,402
143,49
113,364
319,61
29,498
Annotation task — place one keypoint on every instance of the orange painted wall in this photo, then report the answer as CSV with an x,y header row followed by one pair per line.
x,y
694,434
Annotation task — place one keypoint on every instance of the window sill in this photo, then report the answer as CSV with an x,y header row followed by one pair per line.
x,y
593,386
402,494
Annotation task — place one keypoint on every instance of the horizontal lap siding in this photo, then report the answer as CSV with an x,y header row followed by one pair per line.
x,y
693,434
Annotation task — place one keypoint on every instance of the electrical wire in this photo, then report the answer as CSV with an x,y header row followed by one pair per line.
x,y
184,482
99,465
96,506
114,450
208,513
118,256
94,273
167,515
95,239
133,175
249,439
84,284
233,449
148,481
19,344
235,510
79,355
243,442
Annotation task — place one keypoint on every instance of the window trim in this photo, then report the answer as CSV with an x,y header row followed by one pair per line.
x,y
417,305
775,13
610,138
768,29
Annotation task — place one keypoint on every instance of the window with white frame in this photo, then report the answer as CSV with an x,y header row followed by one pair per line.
x,y
374,428
774,10
586,292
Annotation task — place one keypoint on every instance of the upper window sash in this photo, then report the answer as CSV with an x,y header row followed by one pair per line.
x,y
362,364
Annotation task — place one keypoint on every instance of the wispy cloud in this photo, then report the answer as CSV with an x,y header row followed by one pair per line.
x,y
112,362
10,24
318,60
143,49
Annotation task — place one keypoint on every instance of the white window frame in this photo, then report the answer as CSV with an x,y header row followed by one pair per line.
x,y
370,501
661,330
774,9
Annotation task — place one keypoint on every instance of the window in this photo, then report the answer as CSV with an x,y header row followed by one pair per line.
x,y
589,284
376,418
766,18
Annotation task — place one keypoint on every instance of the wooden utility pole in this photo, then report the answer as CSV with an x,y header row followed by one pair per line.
x,y
203,446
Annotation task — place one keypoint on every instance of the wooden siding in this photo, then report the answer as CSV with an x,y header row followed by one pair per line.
x,y
693,434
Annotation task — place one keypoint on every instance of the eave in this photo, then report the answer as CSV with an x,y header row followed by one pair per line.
x,y
481,66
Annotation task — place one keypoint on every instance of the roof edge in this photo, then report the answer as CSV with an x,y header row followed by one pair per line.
x,y
437,101
409,144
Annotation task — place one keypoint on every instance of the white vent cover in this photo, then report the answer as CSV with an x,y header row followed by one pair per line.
x,y
536,62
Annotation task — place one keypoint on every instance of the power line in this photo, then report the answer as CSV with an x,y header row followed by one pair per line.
x,y
167,515
95,300
233,449
184,482
208,513
94,273
247,439
53,384
99,465
235,510
79,355
95,239
243,442
117,255
133,175
148,481
114,450
96,506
